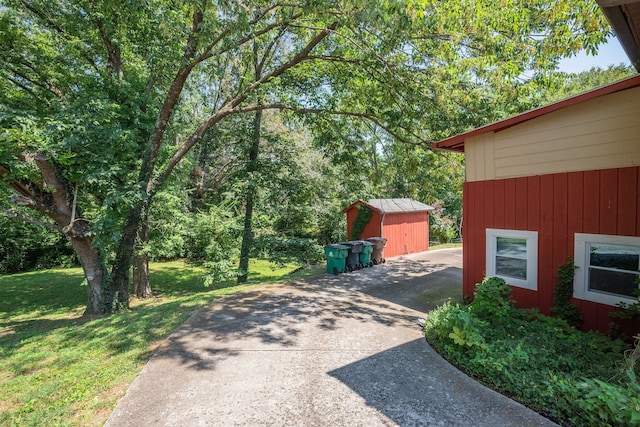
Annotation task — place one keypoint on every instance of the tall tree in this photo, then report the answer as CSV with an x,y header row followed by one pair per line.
x,y
97,97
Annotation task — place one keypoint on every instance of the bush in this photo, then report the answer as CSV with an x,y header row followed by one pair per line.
x,y
211,241
284,249
492,298
543,362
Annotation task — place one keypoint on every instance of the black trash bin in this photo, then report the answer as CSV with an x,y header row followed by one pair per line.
x,y
353,258
377,256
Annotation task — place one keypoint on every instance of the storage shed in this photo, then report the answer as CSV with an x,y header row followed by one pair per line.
x,y
557,182
403,222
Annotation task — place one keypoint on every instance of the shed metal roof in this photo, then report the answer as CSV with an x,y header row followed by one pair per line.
x,y
386,206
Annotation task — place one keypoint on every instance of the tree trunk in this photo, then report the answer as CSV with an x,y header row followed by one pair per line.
x,y
94,272
247,234
118,296
141,284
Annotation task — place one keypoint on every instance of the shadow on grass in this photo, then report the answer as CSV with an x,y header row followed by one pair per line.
x,y
41,292
46,306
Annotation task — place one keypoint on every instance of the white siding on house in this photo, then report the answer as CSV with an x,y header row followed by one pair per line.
x,y
601,133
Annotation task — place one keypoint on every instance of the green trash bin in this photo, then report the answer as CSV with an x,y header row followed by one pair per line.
x,y
365,255
336,258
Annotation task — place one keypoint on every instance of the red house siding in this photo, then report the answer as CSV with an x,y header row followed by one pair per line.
x,y
556,206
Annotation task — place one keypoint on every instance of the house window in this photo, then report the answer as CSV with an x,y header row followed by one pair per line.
x,y
513,256
607,268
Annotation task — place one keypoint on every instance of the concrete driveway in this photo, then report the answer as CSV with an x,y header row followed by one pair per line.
x,y
341,350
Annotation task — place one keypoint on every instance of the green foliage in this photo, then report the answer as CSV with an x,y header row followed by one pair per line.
x,y
561,85
212,240
492,299
442,226
562,306
362,219
282,249
541,361
169,225
604,404
25,247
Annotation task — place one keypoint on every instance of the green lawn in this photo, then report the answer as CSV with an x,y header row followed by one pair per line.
x,y
57,368
444,246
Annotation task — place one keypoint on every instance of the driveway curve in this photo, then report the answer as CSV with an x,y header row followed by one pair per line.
x,y
342,350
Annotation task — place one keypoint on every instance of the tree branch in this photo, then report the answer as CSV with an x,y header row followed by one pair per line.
x,y
13,214
113,51
370,117
59,195
46,85
17,185
228,109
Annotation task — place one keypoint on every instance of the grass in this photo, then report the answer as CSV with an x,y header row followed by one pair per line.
x,y
444,246
58,368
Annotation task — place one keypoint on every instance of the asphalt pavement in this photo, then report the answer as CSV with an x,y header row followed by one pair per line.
x,y
343,350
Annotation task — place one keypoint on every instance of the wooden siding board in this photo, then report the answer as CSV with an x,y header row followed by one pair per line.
x,y
475,201
545,237
473,238
488,204
614,111
575,202
510,204
563,135
470,158
468,224
489,156
627,201
521,204
559,239
608,201
533,202
591,202
533,223
553,162
638,203
500,200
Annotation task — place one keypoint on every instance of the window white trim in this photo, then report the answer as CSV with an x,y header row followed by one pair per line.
x,y
581,254
531,237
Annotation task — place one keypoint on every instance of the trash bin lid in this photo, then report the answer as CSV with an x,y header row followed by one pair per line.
x,y
337,246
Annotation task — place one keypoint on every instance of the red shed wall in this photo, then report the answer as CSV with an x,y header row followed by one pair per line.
x,y
406,233
372,229
557,206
